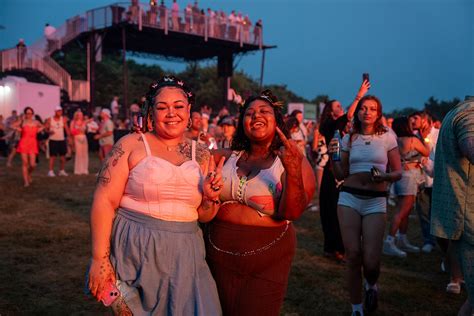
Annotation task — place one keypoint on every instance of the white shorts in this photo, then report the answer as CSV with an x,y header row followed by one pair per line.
x,y
364,206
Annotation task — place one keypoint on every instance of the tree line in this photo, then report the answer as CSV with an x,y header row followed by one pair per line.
x,y
202,79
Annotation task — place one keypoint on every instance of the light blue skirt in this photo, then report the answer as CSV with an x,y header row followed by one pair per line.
x,y
160,266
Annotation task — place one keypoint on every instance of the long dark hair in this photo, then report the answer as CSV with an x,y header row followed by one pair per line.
x,y
401,126
327,113
155,89
241,141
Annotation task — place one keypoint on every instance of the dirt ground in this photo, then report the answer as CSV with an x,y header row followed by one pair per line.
x,y
44,252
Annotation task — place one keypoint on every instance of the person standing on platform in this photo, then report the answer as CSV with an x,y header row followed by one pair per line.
x,y
175,16
20,53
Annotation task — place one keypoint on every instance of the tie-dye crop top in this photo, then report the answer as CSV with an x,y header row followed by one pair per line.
x,y
261,192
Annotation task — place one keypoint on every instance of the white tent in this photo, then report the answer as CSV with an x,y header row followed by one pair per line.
x,y
16,93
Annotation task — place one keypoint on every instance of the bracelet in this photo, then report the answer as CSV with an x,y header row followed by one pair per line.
x,y
357,98
216,201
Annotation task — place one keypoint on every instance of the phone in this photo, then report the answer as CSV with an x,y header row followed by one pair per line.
x,y
374,171
365,76
140,122
109,294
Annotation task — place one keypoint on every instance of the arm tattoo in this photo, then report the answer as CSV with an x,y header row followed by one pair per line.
x,y
140,138
467,148
105,175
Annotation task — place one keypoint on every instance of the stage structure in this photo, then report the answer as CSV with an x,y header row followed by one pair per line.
x,y
143,29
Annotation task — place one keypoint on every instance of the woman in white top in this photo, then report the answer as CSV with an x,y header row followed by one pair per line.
x,y
150,194
362,201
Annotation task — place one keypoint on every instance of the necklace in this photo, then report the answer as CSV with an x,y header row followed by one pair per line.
x,y
368,139
178,147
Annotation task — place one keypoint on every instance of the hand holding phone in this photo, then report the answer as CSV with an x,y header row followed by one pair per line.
x,y
109,294
365,77
377,175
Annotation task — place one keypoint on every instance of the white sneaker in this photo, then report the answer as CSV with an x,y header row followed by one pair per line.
x,y
405,245
63,173
51,173
390,249
427,248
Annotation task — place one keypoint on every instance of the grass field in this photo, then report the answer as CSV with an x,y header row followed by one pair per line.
x,y
44,251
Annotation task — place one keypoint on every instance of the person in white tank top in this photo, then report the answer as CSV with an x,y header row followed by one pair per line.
x,y
153,187
58,131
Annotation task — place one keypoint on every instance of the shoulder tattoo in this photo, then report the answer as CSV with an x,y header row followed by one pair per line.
x,y
105,174
202,153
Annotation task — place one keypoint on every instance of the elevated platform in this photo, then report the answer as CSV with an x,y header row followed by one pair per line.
x,y
144,29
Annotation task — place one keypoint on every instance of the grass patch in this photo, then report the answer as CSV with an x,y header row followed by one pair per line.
x,y
45,249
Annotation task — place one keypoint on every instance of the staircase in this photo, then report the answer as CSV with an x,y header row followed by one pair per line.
x,y
38,57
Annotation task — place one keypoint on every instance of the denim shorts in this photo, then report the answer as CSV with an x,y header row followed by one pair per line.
x,y
408,184
364,206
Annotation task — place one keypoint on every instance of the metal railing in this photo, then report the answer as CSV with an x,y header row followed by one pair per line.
x,y
37,56
215,25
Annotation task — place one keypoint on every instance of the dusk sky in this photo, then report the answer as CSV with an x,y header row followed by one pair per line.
x,y
413,49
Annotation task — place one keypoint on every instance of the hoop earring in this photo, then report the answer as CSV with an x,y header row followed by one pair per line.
x,y
189,123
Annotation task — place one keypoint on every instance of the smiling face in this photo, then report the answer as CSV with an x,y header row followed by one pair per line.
x,y
259,121
171,113
368,112
196,121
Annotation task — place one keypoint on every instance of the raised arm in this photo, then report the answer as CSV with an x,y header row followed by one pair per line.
x,y
298,181
108,193
364,87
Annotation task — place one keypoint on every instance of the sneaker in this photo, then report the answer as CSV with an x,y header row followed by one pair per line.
x,y
453,288
405,245
51,173
63,173
427,248
371,300
390,249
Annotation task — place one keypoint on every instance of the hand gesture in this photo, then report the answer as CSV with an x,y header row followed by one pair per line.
x,y
213,183
100,273
206,110
290,154
364,87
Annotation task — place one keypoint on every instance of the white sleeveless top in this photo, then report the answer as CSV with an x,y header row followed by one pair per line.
x,y
262,192
162,190
58,128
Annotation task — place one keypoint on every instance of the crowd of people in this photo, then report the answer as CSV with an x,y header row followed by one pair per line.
x,y
245,178
234,26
